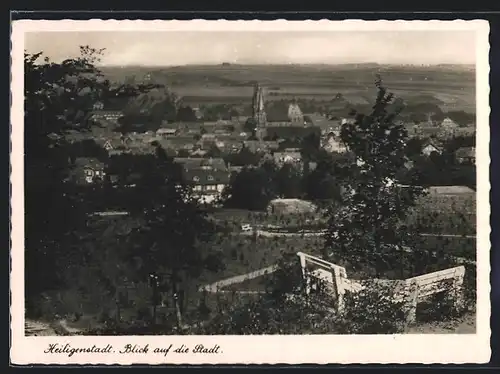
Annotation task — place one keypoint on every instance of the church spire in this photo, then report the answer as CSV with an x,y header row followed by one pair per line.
x,y
258,106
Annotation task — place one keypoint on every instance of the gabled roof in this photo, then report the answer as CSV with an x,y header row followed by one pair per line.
x,y
450,190
181,141
164,130
448,122
88,162
431,142
198,163
290,132
206,177
465,152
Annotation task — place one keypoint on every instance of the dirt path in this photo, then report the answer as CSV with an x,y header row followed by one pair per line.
x,y
38,328
271,234
214,287
68,329
465,325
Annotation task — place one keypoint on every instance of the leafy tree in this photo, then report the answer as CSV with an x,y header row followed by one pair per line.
x,y
251,188
214,152
168,245
245,157
186,114
234,113
87,148
368,228
461,117
289,181
183,152
414,147
56,96
250,125
310,146
324,182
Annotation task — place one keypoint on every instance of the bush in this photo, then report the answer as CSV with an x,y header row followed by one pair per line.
x,y
372,310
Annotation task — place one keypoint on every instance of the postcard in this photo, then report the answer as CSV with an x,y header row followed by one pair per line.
x,y
249,192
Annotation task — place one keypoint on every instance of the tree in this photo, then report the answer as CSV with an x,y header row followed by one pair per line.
x,y
369,226
461,117
234,113
186,114
324,182
183,152
56,96
289,181
250,125
168,245
213,152
310,146
251,188
87,148
243,158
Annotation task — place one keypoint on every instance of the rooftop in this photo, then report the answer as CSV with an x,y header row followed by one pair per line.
x,y
206,177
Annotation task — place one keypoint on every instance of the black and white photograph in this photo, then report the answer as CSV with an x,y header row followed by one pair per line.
x,y
244,180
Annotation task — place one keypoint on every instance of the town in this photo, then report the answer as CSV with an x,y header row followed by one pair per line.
x,y
173,213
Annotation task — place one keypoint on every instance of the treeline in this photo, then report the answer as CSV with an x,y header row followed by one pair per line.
x,y
254,187
440,168
72,264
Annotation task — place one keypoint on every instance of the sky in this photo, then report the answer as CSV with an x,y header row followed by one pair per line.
x,y
171,48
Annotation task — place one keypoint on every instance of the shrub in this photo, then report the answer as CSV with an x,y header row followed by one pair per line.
x,y
372,310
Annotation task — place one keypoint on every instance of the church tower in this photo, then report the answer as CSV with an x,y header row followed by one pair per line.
x,y
295,114
258,109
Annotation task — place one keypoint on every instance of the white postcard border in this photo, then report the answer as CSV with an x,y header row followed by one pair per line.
x,y
289,349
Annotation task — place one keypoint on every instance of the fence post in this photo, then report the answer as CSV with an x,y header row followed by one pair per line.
x,y
304,272
458,291
411,303
339,288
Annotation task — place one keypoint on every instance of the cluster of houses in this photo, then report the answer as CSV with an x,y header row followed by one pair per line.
x,y
463,155
199,146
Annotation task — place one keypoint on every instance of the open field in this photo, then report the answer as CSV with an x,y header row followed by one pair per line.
x,y
453,88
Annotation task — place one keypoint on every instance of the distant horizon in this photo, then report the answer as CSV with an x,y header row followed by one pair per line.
x,y
283,64
164,49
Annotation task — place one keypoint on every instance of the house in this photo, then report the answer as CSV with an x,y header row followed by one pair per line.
x,y
197,163
291,206
466,155
198,113
429,147
219,132
333,143
182,142
198,153
295,114
271,145
292,132
254,146
450,191
114,145
448,124
209,136
231,146
166,132
208,177
87,170
281,158
109,115
235,169
98,105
